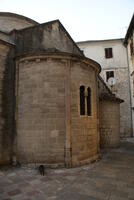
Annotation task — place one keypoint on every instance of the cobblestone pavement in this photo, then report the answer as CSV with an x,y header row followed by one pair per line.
x,y
111,178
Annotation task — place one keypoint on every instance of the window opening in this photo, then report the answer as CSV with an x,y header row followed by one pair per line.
x,y
109,74
88,101
108,53
82,100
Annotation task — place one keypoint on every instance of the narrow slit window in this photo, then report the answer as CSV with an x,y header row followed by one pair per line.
x,y
89,101
82,100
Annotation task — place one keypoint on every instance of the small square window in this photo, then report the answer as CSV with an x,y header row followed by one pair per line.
x,y
109,74
108,53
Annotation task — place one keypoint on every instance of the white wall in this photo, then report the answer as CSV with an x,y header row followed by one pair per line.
x,y
95,50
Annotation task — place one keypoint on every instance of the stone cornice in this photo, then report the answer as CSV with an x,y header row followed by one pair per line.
x,y
61,56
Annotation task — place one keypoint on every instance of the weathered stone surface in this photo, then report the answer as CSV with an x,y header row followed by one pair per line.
x,y
121,89
43,123
41,112
48,37
6,103
109,123
109,116
46,130
10,21
83,128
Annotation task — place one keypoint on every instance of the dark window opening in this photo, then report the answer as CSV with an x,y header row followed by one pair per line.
x,y
82,100
109,74
88,101
133,87
108,53
131,48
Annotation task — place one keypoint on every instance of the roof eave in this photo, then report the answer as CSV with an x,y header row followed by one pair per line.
x,y
131,26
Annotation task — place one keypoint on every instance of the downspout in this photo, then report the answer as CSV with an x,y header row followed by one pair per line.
x,y
132,134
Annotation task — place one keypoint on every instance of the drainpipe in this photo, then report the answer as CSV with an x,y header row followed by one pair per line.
x,y
132,134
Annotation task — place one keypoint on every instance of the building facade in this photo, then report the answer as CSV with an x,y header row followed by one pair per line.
x,y
129,44
49,97
111,54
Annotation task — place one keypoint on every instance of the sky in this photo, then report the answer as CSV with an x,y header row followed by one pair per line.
x,y
83,19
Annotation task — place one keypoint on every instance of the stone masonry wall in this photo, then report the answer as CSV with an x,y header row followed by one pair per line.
x,y
6,105
84,132
8,23
41,111
121,89
131,74
109,123
48,37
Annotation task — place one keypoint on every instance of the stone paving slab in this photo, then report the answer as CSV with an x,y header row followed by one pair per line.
x,y
111,178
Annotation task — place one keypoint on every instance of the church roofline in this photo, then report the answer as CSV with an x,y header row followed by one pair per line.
x,y
47,23
5,33
110,98
37,25
6,43
8,14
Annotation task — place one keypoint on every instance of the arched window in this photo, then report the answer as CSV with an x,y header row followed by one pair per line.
x,y
88,101
82,100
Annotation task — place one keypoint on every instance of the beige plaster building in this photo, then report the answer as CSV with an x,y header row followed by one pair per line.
x,y
49,99
111,54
